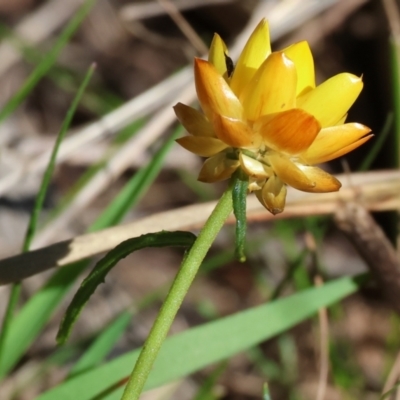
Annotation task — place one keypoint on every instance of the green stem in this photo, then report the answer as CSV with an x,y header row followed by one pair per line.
x,y
174,299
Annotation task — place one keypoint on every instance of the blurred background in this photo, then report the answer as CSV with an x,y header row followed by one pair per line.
x,y
137,46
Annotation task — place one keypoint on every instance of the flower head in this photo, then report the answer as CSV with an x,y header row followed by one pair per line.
x,y
267,117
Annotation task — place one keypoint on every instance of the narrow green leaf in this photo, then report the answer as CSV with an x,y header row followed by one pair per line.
x,y
239,197
50,167
102,345
104,266
378,143
134,190
187,352
395,84
391,391
206,389
43,67
37,208
28,323
266,393
127,133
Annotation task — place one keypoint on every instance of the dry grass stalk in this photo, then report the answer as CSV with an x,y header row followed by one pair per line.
x,y
378,191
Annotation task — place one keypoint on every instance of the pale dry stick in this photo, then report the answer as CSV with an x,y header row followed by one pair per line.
x,y
295,12
138,107
184,26
37,26
149,9
326,23
354,220
120,161
379,191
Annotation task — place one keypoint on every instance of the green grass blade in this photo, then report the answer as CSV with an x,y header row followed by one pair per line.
x,y
395,75
105,265
125,134
187,352
7,320
135,188
50,167
378,144
266,393
205,391
30,232
390,392
102,344
43,67
31,319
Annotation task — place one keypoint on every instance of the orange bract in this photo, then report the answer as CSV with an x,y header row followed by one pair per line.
x,y
270,119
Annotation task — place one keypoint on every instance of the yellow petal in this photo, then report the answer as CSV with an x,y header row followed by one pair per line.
x,y
256,50
329,101
345,150
202,146
273,195
193,121
233,132
214,93
342,120
272,89
300,54
289,172
216,55
253,168
324,182
290,131
333,139
217,168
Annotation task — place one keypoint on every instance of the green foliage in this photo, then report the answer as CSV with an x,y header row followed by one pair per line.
x,y
390,391
102,344
104,266
32,317
47,62
15,291
210,343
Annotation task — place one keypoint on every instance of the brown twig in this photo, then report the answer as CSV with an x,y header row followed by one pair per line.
x,y
374,247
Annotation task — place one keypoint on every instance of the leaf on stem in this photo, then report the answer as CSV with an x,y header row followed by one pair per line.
x,y
101,269
239,196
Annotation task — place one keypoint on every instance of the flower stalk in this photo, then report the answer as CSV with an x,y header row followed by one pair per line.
x,y
265,124
176,294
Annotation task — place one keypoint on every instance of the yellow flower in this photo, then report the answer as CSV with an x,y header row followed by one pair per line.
x,y
267,117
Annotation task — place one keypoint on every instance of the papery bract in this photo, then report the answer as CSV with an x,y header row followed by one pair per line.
x,y
268,118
